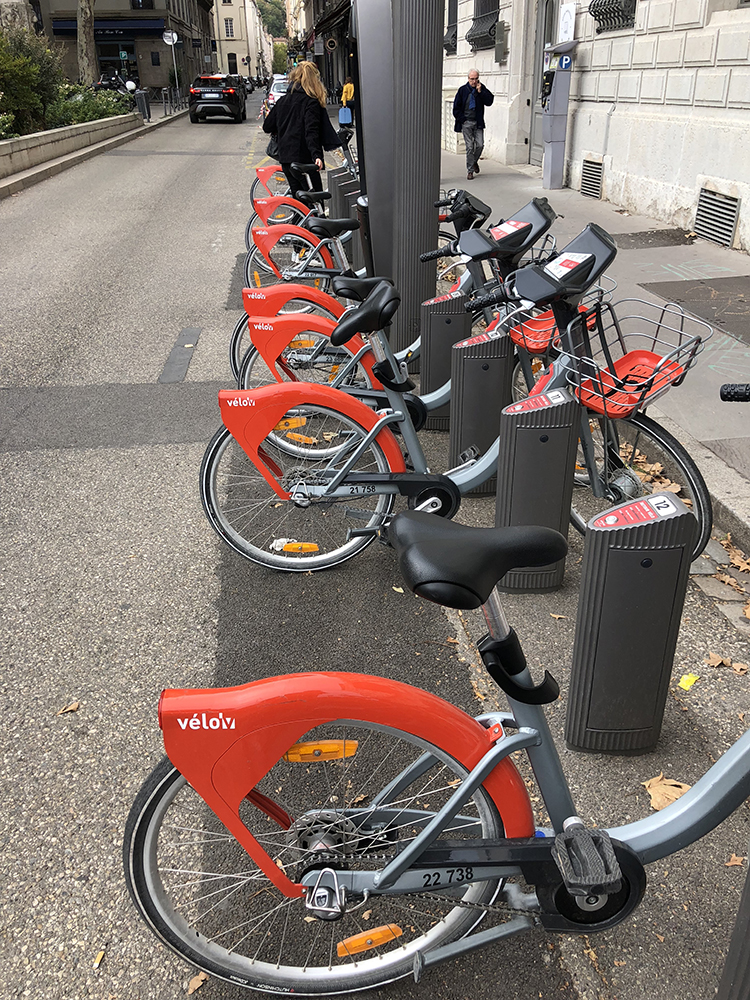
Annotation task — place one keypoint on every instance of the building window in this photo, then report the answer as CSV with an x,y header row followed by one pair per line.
x,y
450,41
481,34
229,27
612,15
155,59
141,4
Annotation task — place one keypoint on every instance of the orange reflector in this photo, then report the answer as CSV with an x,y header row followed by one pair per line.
x,y
302,343
303,753
334,371
368,939
301,438
257,279
289,422
300,547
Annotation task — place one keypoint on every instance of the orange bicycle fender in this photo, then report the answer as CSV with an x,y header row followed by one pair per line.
x,y
251,414
225,740
266,239
269,301
272,334
265,207
264,174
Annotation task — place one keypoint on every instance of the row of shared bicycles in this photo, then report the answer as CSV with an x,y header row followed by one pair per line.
x,y
330,832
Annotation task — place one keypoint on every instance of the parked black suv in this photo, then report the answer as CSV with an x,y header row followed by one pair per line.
x,y
217,94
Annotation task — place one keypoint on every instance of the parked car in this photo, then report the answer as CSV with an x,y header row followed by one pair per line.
x,y
277,89
217,94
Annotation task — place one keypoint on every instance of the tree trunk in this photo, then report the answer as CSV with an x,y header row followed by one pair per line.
x,y
87,66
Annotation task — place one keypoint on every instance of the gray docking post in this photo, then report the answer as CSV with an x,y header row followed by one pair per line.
x,y
481,376
636,563
443,322
535,468
735,980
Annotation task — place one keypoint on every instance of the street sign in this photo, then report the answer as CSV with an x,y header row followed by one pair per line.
x,y
331,44
169,37
124,56
566,62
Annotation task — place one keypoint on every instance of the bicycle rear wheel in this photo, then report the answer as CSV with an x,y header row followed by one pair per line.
x,y
305,361
240,341
289,255
309,533
282,214
634,458
277,185
203,897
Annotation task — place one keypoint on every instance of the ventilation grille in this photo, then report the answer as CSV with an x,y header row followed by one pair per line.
x,y
717,217
591,179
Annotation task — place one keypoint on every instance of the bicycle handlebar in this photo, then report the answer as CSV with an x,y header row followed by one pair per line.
x,y
733,393
483,301
447,251
461,213
442,202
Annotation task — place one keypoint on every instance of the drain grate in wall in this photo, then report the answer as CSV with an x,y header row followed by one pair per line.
x,y
717,217
591,179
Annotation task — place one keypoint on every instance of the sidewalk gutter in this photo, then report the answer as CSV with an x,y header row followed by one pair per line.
x,y
26,178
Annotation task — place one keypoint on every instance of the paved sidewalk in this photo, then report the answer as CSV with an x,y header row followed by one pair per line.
x,y
655,261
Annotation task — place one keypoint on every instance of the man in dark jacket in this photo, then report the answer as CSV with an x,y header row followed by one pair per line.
x,y
468,110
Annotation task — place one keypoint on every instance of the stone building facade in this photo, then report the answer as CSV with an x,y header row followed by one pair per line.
x,y
660,100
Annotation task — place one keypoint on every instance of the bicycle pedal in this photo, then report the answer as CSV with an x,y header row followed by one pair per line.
x,y
586,860
471,454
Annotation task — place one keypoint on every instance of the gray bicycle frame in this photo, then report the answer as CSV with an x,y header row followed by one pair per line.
x,y
715,796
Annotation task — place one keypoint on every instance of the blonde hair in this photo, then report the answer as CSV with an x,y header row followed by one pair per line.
x,y
307,76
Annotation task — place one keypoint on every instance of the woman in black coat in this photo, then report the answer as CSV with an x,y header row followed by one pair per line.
x,y
297,120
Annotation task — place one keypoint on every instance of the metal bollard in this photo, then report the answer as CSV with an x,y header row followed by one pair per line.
x,y
164,100
535,469
443,322
636,563
481,376
365,235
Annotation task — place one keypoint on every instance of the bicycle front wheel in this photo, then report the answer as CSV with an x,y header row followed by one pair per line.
x,y
203,896
277,185
281,214
634,458
308,533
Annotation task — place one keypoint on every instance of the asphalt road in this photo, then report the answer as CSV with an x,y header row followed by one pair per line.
x,y
114,586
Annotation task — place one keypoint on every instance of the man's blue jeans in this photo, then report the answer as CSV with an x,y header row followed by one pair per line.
x,y
474,139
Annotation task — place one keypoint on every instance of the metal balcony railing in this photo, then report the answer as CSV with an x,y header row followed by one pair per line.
x,y
481,34
450,41
613,15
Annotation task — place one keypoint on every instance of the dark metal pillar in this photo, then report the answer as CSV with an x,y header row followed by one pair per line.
x,y
400,60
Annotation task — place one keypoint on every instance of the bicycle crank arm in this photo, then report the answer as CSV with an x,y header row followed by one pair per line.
x,y
419,487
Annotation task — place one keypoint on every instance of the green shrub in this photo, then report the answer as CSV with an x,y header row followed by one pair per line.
x,y
76,103
46,57
6,127
19,79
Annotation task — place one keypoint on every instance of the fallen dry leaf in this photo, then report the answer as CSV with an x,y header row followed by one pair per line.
x,y
730,582
451,640
664,791
557,617
735,861
72,707
367,914
620,963
660,937
399,590
687,680
196,982
714,660
740,668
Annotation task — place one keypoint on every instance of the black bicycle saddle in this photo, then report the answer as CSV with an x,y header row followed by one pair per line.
x,y
329,228
458,566
305,168
356,288
311,198
375,313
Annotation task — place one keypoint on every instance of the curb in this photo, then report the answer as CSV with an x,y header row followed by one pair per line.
x,y
26,178
729,491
